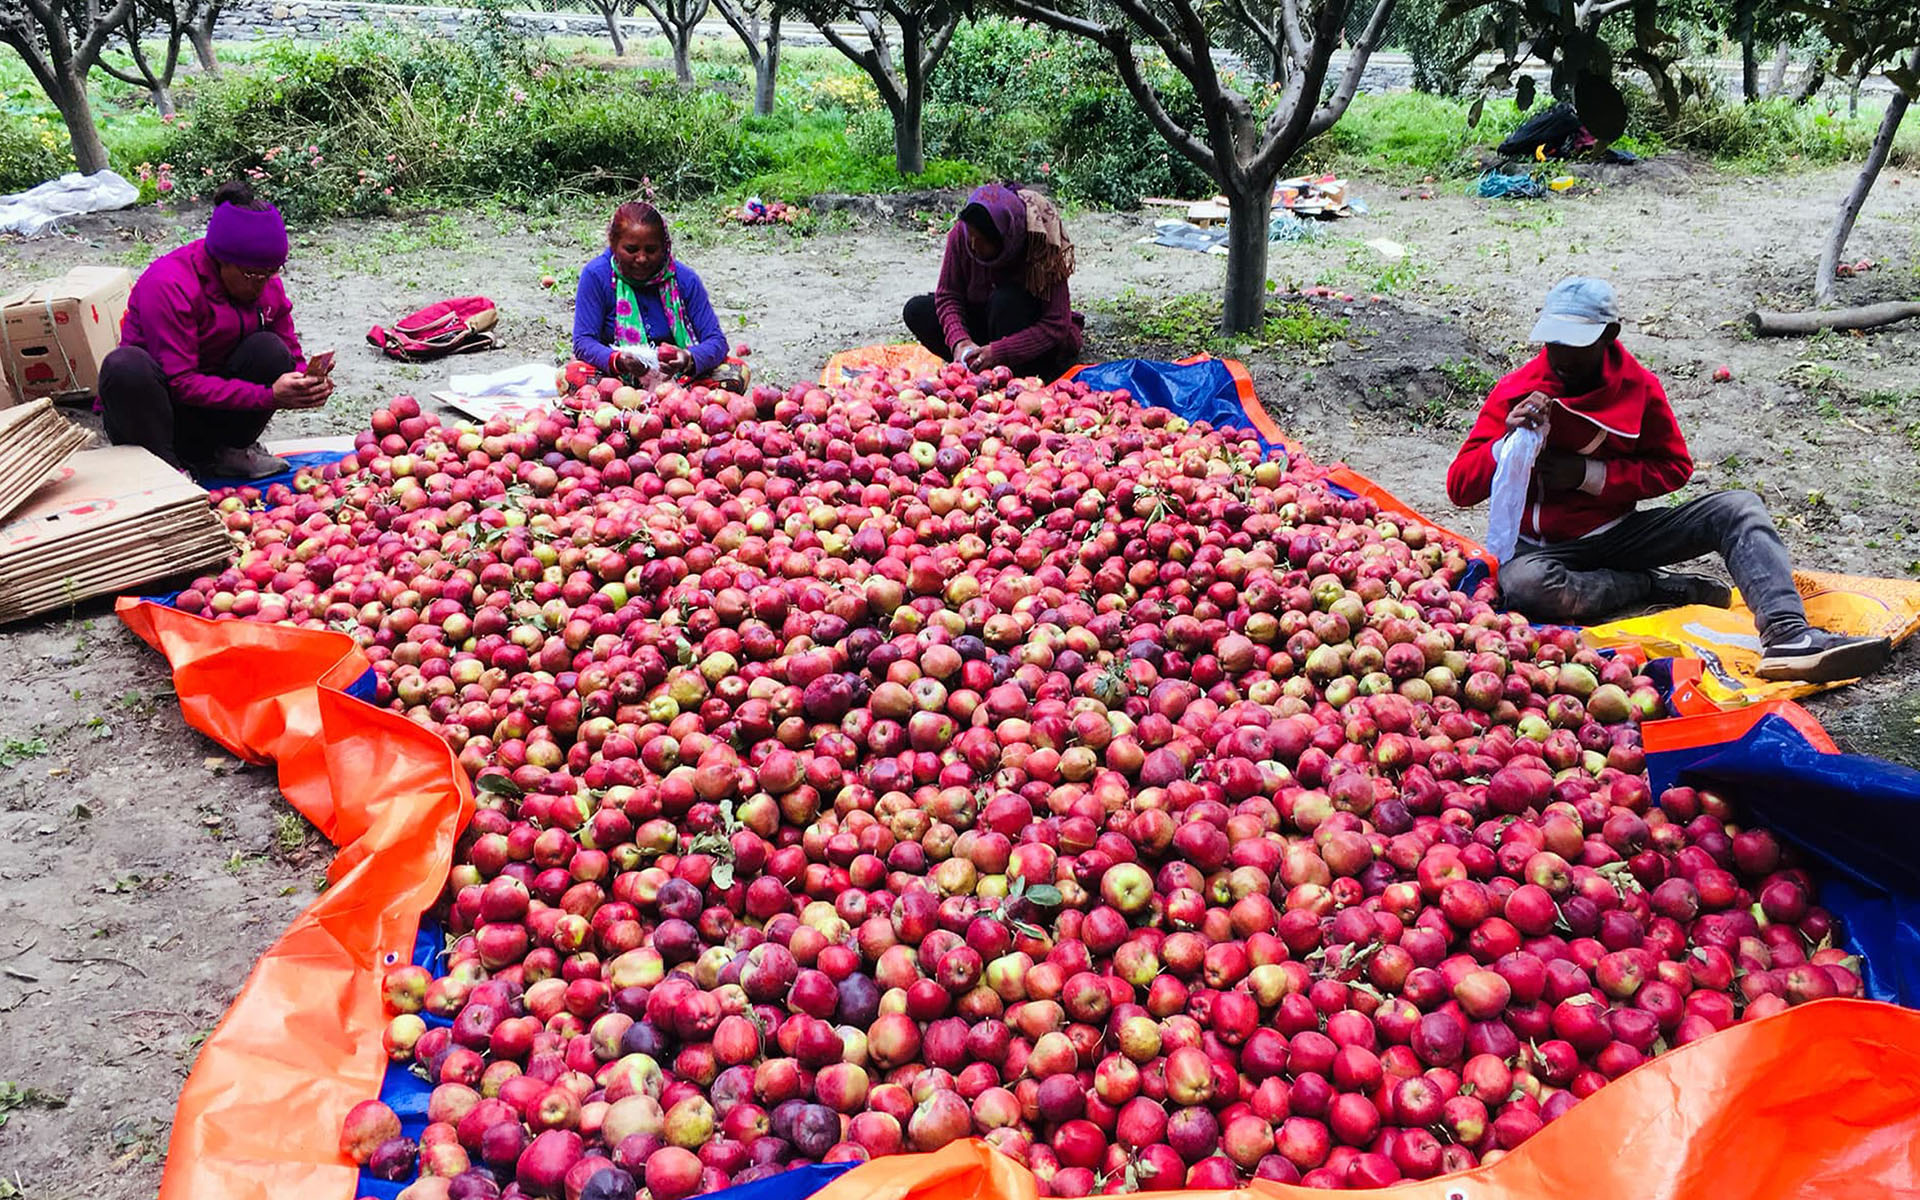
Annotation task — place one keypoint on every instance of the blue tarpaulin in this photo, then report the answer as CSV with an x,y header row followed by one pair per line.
x,y
1857,818
298,462
1206,389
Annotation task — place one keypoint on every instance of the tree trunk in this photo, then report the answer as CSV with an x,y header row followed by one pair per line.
x,y
1749,66
909,146
611,12
202,40
766,72
1812,81
1857,197
682,38
1249,216
1802,324
1777,77
70,97
159,83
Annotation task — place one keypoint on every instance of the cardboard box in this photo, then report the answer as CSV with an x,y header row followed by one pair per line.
x,y
7,398
109,521
54,335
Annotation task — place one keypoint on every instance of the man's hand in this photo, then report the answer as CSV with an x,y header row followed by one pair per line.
x,y
296,389
674,360
1560,471
1530,412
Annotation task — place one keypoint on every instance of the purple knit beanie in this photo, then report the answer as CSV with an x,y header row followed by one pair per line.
x,y
253,239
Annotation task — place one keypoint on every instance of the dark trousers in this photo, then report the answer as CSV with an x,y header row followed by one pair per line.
x,y
1598,576
1008,310
140,410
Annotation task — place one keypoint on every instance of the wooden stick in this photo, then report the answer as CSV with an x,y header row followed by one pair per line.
x,y
1869,316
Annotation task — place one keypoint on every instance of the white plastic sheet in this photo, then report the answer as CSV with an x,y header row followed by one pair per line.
x,y
1513,458
37,210
528,381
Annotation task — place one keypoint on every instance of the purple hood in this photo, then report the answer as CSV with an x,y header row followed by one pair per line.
x,y
1006,212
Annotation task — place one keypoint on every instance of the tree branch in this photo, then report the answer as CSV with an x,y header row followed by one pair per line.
x,y
130,80
1225,111
1178,136
88,54
938,39
868,60
1290,22
1053,18
1336,105
1292,118
1177,51
736,18
1268,34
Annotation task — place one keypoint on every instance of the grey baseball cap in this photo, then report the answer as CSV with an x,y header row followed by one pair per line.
x,y
1576,312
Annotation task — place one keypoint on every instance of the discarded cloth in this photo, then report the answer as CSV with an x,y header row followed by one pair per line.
x,y
36,210
1496,186
1212,239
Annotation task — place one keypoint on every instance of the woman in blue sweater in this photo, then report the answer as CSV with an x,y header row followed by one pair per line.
x,y
637,301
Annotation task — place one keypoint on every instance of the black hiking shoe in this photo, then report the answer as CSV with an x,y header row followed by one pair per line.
x,y
1816,656
1671,589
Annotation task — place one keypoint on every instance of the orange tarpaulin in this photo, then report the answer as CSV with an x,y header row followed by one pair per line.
x,y
1820,1102
259,1117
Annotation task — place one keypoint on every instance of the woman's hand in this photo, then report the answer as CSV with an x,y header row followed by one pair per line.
x,y
676,361
965,353
296,389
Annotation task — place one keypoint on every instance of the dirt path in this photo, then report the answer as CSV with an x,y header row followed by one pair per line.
x,y
161,877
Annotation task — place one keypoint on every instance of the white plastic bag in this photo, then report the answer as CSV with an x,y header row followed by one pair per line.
x,y
33,212
1513,457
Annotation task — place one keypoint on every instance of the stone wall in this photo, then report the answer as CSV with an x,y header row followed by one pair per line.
x,y
248,20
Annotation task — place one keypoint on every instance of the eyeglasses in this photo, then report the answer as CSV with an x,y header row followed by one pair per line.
x,y
257,276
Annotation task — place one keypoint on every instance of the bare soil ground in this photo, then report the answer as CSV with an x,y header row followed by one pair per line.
x,y
141,872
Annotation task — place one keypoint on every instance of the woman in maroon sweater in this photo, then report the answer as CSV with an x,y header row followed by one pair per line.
x,y
1002,295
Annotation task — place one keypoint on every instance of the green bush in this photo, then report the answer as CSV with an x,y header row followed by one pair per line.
x,y
1026,104
1769,135
348,127
1110,154
32,151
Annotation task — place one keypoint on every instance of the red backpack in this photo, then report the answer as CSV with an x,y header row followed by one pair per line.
x,y
458,326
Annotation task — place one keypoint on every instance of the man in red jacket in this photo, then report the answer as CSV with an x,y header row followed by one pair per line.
x,y
1610,441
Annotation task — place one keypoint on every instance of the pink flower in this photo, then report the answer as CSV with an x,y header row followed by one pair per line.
x,y
165,185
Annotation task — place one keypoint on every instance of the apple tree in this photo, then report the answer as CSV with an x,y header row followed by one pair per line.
x,y
1247,130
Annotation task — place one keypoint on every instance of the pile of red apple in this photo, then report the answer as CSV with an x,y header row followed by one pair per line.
x,y
863,769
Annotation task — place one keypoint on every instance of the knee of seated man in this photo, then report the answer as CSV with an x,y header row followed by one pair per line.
x,y
1537,587
1749,504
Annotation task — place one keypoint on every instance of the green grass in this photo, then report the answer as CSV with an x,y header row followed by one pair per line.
x,y
1409,134
812,154
1191,320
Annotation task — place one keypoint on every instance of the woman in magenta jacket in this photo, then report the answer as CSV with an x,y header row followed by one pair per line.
x,y
208,352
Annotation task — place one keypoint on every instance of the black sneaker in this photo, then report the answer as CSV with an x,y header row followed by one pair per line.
x,y
1816,656
1674,588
